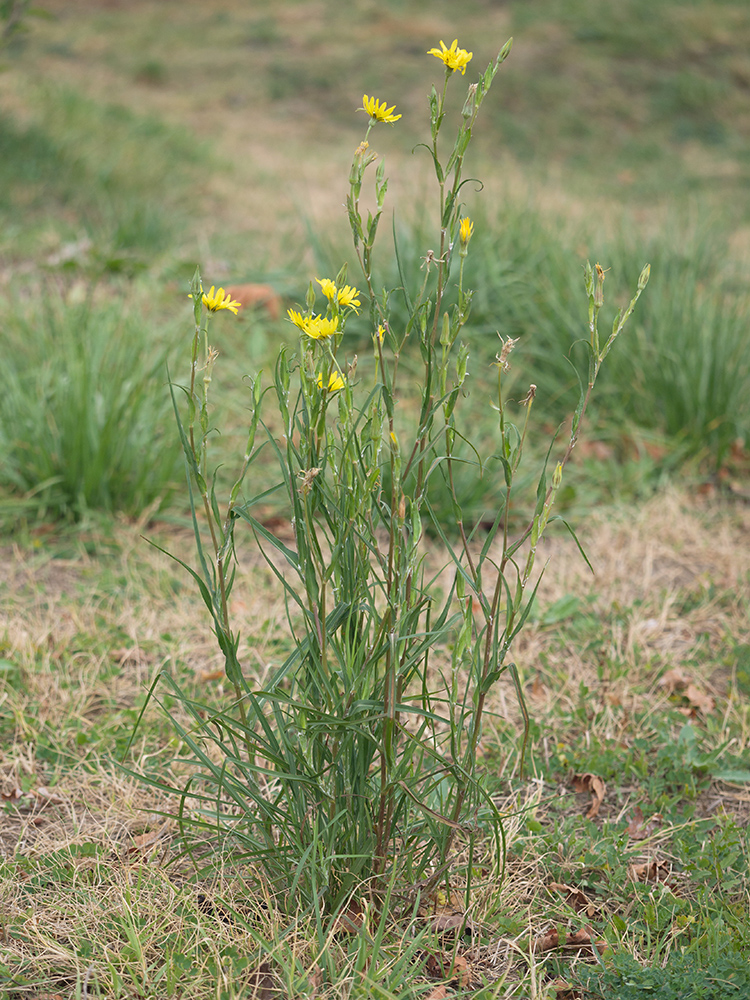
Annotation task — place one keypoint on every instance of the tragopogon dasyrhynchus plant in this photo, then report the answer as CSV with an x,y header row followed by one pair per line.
x,y
356,762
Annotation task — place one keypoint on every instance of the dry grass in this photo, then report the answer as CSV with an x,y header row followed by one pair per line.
x,y
87,634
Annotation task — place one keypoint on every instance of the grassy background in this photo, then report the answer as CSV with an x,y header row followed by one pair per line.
x,y
138,139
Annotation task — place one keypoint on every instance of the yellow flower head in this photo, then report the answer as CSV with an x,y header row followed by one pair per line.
x,y
466,230
381,332
378,110
328,288
454,58
300,321
347,297
214,301
317,327
335,381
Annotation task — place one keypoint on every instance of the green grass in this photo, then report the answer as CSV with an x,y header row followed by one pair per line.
x,y
86,420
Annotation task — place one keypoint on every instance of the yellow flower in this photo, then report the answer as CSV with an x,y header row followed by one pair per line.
x,y
328,288
347,296
317,327
466,230
381,332
214,301
454,58
335,381
377,110
298,319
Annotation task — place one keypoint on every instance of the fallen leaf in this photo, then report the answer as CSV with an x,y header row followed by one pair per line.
x,y
451,918
12,796
454,968
699,699
583,938
148,839
675,679
593,784
564,991
257,295
538,690
211,675
546,942
638,828
350,920
650,871
47,796
574,897
262,984
438,993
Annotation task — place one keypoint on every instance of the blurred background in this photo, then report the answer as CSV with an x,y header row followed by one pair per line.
x,y
138,139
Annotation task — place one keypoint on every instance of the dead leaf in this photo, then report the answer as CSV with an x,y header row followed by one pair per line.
x,y
260,296
350,920
12,796
574,897
638,828
546,942
150,838
564,991
262,983
675,679
47,796
438,993
651,871
583,938
538,690
211,675
314,982
453,968
131,654
451,919
699,699
593,784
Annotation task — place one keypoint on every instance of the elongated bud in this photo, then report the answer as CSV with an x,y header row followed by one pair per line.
x,y
599,290
557,477
644,276
445,336
468,109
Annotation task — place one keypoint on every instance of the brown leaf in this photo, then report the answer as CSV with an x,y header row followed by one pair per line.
x,y
699,699
211,675
593,784
650,871
262,983
675,679
638,829
350,920
12,796
564,991
454,968
148,839
573,897
438,993
47,796
450,919
546,942
583,938
257,295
